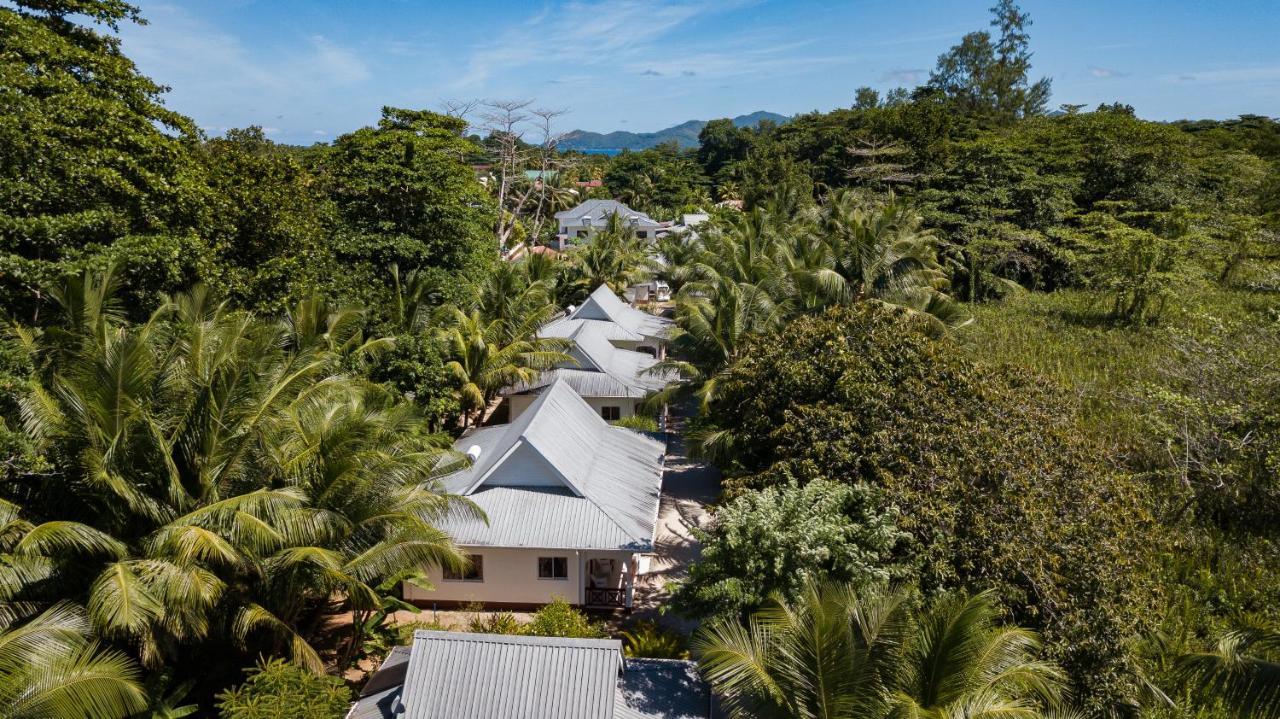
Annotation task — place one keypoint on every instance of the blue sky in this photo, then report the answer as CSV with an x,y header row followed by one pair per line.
x,y
309,70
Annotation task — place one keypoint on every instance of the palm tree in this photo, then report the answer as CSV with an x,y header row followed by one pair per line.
x,y
614,257
884,254
216,478
487,355
835,653
50,668
1242,670
715,321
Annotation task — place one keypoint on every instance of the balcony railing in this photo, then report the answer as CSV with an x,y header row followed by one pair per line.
x,y
605,597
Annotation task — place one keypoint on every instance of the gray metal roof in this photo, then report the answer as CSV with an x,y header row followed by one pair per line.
x,y
380,697
457,675
602,209
559,476
662,689
604,305
600,369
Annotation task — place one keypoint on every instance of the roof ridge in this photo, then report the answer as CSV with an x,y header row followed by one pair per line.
x,y
566,642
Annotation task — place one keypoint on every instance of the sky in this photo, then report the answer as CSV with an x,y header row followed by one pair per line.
x,y
309,70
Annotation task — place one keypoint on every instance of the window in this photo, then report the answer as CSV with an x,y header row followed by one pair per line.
x,y
582,233
642,234
553,567
474,573
611,413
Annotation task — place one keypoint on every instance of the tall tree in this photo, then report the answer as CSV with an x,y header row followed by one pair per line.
x,y
91,162
988,79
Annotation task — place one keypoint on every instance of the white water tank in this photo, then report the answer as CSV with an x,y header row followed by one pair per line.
x,y
473,453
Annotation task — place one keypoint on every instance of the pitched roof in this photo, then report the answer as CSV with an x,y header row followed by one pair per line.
x,y
603,209
601,369
459,675
559,476
380,697
604,306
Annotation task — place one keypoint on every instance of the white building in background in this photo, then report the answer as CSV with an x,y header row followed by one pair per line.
x,y
590,217
572,508
623,325
612,380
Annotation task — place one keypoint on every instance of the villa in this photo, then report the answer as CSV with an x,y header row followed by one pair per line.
x,y
572,509
591,216
459,675
623,325
614,381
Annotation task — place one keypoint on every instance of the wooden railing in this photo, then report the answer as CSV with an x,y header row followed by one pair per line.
x,y
605,597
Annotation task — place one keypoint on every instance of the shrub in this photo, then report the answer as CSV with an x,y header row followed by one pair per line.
x,y
496,623
638,422
647,639
559,619
778,538
279,690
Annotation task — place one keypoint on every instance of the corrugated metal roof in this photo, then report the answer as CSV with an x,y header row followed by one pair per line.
x,y
602,304
380,697
457,675
601,369
564,327
567,479
602,209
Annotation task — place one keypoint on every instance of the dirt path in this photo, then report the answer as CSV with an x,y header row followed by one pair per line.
x,y
688,486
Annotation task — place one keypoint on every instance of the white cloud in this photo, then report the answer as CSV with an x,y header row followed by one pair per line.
x,y
585,34
1105,72
1258,74
223,82
902,76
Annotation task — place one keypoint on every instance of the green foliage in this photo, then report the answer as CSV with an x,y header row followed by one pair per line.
x,y
278,690
638,422
560,619
662,181
495,623
986,77
647,639
987,465
835,652
49,666
774,541
270,225
88,154
215,478
407,198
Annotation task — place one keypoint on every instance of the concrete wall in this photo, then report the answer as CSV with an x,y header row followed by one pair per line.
x,y
520,402
511,577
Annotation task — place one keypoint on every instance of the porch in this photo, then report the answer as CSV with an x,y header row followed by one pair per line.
x,y
609,581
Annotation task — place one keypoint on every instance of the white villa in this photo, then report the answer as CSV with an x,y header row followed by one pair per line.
x,y
572,507
589,217
612,380
623,325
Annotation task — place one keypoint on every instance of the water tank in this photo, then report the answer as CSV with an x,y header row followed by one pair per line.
x,y
473,452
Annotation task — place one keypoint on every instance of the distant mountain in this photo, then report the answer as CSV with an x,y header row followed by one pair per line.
x,y
685,134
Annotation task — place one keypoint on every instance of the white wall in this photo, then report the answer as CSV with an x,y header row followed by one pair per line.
x,y
518,403
511,575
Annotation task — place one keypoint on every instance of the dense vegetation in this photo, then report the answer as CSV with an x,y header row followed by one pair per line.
x,y
967,364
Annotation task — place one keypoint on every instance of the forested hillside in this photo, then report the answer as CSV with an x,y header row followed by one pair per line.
x,y
962,352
